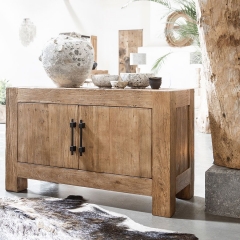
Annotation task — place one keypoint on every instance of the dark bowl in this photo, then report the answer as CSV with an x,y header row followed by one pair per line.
x,y
155,82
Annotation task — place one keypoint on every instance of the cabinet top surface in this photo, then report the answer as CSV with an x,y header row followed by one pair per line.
x,y
145,98
148,89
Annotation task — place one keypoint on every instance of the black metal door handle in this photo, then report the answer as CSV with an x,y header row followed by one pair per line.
x,y
72,147
81,148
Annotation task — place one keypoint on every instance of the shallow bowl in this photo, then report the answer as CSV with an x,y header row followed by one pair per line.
x,y
136,80
119,84
103,80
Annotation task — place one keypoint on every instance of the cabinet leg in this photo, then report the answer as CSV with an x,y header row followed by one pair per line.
x,y
163,199
187,192
16,184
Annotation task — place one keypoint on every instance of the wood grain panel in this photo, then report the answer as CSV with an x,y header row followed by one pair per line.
x,y
89,158
182,135
188,192
183,180
119,140
163,165
12,181
88,96
94,44
143,131
33,133
131,141
182,98
129,41
93,72
59,135
105,181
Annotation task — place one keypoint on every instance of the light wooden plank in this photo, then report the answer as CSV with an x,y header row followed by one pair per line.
x,y
142,186
89,158
163,155
183,180
95,72
94,44
60,133
182,98
120,140
12,181
33,130
188,192
144,140
129,41
131,141
102,131
88,96
172,161
182,135
116,150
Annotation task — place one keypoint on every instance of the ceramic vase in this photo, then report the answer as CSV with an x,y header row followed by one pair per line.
x,y
68,59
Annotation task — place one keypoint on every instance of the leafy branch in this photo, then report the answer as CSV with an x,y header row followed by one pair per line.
x,y
159,62
3,86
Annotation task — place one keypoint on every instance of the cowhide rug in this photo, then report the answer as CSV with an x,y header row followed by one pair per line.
x,y
71,218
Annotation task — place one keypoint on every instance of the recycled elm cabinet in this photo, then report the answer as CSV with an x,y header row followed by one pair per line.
x,y
138,141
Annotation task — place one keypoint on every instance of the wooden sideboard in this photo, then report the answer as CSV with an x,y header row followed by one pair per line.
x,y
138,141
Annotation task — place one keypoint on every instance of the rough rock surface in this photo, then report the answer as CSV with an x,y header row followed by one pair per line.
x,y
222,191
71,218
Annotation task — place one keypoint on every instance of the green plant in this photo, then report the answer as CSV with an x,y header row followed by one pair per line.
x,y
182,29
3,85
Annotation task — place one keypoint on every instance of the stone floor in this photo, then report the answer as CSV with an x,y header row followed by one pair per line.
x,y
190,215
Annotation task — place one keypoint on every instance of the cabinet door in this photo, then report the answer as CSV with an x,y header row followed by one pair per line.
x,y
117,140
44,134
33,133
60,135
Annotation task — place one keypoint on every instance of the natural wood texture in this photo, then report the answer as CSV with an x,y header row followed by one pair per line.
x,y
183,180
94,44
132,140
60,117
163,169
99,72
47,125
33,133
12,182
174,154
129,41
99,97
182,153
220,43
117,140
188,191
182,98
105,181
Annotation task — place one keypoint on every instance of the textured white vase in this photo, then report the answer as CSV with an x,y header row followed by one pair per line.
x,y
68,59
